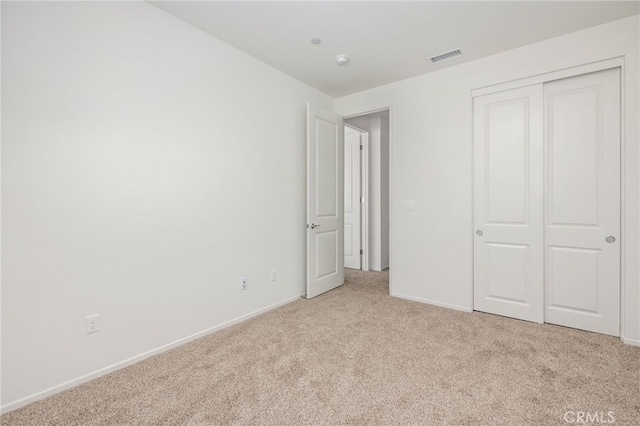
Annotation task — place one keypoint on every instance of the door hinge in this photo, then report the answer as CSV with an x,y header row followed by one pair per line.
x,y
361,147
361,251
362,199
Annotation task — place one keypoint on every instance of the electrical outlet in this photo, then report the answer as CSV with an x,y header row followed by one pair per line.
x,y
244,283
274,275
93,323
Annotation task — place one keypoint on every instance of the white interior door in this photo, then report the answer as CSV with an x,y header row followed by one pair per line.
x,y
325,199
508,210
582,169
352,199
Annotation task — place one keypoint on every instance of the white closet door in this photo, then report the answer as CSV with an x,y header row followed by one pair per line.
x,y
508,210
582,179
352,256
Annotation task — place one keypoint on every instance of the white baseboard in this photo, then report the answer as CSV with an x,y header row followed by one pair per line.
x,y
625,340
632,342
130,361
432,302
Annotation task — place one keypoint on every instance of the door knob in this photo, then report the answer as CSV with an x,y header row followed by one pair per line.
x,y
479,233
610,239
314,226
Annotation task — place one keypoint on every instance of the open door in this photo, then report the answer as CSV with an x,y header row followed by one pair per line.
x,y
352,199
325,201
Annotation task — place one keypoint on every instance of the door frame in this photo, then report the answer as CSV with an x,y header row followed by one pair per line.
x,y
364,192
617,62
371,109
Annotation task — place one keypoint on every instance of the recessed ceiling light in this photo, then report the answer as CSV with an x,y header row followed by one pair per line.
x,y
315,41
342,60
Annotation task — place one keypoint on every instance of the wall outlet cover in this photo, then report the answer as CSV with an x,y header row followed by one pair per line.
x,y
93,323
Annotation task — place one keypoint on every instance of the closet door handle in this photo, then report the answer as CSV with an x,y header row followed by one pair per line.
x,y
479,233
610,239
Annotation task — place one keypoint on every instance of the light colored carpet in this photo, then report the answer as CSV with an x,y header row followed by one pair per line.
x,y
358,356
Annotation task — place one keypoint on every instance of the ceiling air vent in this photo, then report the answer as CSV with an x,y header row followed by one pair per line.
x,y
446,56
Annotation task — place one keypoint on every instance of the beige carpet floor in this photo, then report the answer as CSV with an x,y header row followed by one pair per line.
x,y
358,356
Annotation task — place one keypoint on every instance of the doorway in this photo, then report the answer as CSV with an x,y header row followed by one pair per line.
x,y
367,191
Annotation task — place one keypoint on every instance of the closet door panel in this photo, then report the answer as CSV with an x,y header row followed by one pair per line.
x,y
582,202
508,260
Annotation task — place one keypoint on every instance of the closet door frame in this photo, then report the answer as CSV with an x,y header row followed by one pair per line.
x,y
557,75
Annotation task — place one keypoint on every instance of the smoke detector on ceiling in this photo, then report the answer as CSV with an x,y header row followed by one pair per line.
x,y
342,60
446,56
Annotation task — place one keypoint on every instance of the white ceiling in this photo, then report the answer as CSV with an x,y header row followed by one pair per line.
x,y
387,41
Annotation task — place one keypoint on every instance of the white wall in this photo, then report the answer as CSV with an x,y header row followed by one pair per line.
x,y
377,126
431,158
147,167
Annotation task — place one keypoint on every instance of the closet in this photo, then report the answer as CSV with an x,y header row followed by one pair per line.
x,y
547,202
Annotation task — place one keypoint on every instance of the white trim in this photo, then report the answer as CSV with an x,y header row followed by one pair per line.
x,y
0,213
367,111
550,76
623,199
432,302
391,198
632,342
472,230
137,358
364,191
